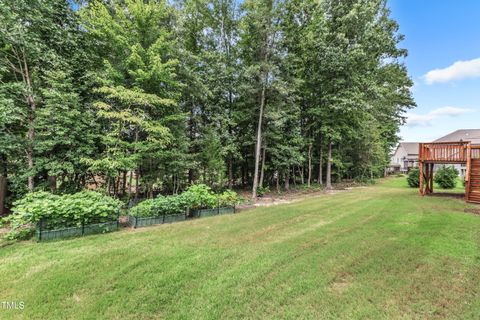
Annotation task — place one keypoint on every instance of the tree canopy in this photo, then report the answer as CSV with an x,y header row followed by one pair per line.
x,y
143,97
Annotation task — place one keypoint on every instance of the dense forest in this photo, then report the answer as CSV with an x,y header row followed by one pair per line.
x,y
137,97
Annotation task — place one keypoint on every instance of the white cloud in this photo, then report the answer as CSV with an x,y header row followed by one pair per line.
x,y
457,71
414,119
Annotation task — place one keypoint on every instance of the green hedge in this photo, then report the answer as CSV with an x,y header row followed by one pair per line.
x,y
60,211
195,197
162,205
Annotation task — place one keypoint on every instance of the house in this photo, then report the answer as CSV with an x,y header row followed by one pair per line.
x,y
472,135
404,157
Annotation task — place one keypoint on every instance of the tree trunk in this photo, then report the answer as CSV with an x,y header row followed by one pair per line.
x,y
3,183
320,166
278,181
31,122
230,172
287,179
294,178
52,183
258,145
124,182
137,177
329,166
262,172
130,180
309,165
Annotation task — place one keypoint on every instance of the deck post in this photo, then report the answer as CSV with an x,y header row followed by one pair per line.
x,y
420,167
467,171
431,177
421,178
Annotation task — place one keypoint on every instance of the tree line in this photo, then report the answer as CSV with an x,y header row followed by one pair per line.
x,y
139,97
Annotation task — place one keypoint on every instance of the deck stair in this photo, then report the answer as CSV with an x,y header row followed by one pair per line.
x,y
473,194
455,152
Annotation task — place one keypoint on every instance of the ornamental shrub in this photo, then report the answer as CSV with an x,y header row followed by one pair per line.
x,y
413,178
261,191
228,198
446,177
162,205
60,211
200,196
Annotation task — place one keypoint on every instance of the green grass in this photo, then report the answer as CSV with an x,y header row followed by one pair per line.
x,y
376,252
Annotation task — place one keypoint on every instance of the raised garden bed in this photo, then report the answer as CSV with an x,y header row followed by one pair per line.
x,y
199,213
61,233
138,222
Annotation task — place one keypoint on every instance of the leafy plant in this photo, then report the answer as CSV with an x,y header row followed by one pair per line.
x,y
59,211
446,177
413,178
200,196
261,191
228,198
162,205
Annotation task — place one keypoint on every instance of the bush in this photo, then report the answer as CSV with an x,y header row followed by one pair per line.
x,y
162,205
228,198
60,211
446,177
200,196
195,197
413,178
261,191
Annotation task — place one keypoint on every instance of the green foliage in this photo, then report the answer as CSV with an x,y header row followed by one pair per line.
x,y
172,93
195,197
60,211
162,205
261,191
200,196
228,198
446,177
413,178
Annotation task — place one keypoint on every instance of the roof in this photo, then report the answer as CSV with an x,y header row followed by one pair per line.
x,y
410,147
472,135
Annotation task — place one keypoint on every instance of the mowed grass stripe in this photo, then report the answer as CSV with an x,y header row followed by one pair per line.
x,y
376,252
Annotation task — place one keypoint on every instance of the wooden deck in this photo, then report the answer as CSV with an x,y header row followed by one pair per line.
x,y
450,153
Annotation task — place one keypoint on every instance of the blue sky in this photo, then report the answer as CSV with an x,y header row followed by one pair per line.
x,y
443,41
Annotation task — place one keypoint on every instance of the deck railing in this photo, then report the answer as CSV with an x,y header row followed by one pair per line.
x,y
445,151
475,151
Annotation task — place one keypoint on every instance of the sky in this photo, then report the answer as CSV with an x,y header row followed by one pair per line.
x,y
443,42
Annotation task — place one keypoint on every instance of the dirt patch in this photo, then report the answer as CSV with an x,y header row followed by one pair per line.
x,y
341,283
472,210
272,200
447,195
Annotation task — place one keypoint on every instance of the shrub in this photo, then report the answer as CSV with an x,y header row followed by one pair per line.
x,y
446,177
261,191
364,180
162,205
413,178
60,211
200,196
228,198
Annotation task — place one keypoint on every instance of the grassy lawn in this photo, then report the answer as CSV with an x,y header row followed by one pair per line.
x,y
377,252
